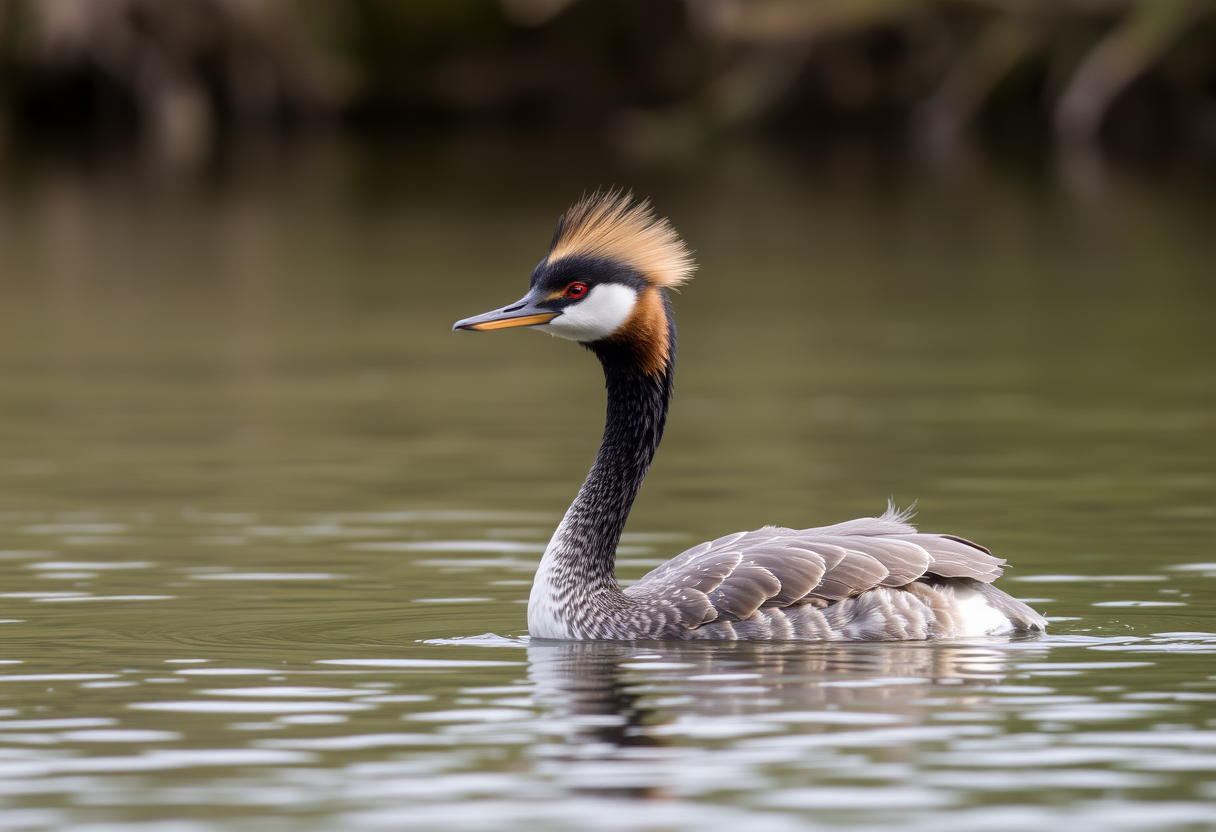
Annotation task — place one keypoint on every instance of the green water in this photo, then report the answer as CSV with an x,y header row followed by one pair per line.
x,y
267,526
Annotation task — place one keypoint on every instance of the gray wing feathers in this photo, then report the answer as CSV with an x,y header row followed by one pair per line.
x,y
965,542
904,560
703,566
773,567
862,526
957,558
707,572
856,573
797,567
748,588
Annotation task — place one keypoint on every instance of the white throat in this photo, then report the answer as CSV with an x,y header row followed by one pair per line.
x,y
601,313
546,599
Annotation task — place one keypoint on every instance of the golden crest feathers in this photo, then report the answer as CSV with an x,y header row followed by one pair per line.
x,y
614,226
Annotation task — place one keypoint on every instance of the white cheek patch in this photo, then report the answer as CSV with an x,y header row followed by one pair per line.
x,y
601,313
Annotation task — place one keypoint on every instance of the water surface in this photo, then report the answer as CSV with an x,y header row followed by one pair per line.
x,y
267,527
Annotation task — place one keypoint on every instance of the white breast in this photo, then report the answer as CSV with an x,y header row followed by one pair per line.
x,y
544,601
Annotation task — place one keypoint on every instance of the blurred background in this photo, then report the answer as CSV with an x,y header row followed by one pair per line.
x,y
233,234
290,200
957,252
638,78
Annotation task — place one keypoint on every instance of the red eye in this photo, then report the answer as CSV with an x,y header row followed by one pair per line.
x,y
576,290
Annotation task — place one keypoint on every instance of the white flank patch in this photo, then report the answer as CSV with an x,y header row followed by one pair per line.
x,y
601,313
543,621
979,619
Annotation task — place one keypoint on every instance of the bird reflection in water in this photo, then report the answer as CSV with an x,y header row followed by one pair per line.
x,y
619,707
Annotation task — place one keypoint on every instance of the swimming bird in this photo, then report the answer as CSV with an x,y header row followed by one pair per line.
x,y
603,284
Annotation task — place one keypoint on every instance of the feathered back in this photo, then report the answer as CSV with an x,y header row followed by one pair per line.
x,y
614,226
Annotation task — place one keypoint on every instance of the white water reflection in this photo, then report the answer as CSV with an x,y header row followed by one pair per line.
x,y
246,707
267,576
95,565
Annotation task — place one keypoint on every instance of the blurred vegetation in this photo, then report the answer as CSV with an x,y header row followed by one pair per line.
x,y
638,73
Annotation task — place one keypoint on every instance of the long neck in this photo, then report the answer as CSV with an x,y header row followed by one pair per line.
x,y
637,414
638,373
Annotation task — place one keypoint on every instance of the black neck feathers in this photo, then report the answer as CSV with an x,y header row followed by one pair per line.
x,y
638,400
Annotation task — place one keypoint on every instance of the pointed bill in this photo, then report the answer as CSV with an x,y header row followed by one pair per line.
x,y
521,313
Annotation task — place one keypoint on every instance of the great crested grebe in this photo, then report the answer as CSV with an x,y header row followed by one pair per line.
x,y
874,579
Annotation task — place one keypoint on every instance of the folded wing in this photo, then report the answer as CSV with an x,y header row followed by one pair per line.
x,y
773,567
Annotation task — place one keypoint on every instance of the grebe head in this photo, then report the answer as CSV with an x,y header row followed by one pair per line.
x,y
603,277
